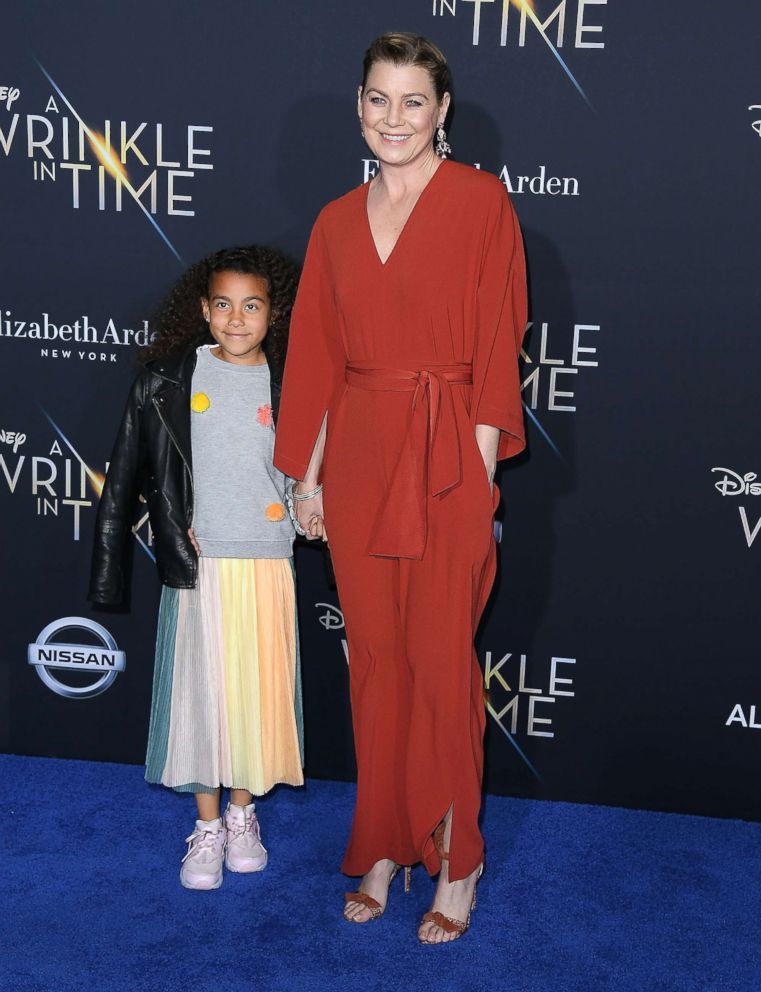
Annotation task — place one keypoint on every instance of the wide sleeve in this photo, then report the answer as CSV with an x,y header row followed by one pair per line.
x,y
314,366
501,312
113,524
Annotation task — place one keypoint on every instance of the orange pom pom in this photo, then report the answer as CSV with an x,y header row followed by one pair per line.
x,y
275,512
264,415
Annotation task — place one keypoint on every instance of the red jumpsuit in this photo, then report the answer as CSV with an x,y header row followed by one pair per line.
x,y
407,357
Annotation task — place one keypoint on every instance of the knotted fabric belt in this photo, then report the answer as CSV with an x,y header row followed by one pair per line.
x,y
430,457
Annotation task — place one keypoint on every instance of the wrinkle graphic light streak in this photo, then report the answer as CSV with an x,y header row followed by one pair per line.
x,y
528,7
513,741
107,157
96,479
542,431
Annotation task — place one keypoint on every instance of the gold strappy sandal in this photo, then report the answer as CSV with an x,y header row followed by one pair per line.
x,y
376,910
447,923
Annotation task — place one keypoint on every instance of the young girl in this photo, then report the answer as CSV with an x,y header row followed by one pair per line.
x,y
197,440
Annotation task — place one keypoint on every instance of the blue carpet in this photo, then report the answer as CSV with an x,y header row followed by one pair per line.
x,y
578,898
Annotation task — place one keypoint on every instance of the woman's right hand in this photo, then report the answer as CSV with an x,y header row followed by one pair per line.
x,y
309,514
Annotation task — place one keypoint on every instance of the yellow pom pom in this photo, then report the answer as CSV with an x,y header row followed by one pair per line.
x,y
275,512
200,403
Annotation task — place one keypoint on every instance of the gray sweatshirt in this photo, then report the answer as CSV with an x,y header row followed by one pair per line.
x,y
239,495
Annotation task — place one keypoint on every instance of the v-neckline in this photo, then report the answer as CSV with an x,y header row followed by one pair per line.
x,y
373,242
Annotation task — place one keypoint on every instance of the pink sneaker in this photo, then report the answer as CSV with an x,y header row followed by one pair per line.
x,y
245,851
202,865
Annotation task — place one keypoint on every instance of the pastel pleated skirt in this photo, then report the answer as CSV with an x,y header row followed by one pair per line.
x,y
226,706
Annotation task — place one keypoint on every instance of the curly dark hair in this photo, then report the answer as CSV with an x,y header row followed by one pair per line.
x,y
179,322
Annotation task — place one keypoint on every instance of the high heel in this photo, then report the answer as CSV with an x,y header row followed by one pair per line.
x,y
447,923
376,910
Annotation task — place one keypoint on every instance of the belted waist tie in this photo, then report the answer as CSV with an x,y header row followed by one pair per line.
x,y
430,457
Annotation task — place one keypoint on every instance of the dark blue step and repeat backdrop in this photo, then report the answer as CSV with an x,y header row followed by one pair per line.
x,y
621,647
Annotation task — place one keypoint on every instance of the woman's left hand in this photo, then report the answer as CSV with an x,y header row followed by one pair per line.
x,y
316,528
309,514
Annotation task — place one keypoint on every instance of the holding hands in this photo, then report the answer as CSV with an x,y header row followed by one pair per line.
x,y
304,497
305,507
305,504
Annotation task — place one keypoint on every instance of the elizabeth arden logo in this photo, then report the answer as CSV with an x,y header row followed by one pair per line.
x,y
538,181
75,338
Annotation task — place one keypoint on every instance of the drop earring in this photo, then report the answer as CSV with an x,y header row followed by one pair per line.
x,y
361,128
443,148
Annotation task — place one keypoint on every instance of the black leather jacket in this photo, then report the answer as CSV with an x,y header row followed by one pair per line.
x,y
152,456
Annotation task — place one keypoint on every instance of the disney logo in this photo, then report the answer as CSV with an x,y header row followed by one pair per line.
x,y
9,95
733,484
756,125
14,438
332,618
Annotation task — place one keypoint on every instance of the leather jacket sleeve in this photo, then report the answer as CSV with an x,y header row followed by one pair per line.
x,y
113,523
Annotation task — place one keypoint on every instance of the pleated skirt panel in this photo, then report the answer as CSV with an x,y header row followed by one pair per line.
x,y
226,705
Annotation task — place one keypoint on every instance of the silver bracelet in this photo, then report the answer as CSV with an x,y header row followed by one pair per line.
x,y
302,496
292,513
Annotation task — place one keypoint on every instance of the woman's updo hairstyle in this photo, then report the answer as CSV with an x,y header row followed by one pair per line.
x,y
402,48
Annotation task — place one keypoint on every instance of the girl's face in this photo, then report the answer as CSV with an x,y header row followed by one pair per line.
x,y
399,112
238,312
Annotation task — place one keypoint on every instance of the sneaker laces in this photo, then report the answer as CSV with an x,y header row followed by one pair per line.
x,y
238,827
200,840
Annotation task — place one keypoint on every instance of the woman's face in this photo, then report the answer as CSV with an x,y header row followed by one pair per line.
x,y
399,112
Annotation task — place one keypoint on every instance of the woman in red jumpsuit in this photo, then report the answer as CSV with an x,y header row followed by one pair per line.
x,y
401,392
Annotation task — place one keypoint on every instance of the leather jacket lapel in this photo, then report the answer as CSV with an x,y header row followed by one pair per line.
x,y
173,405
173,400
